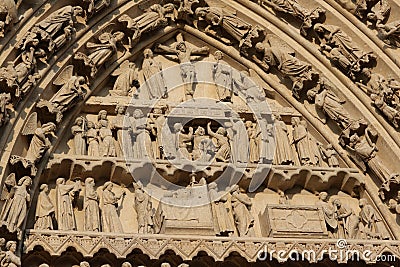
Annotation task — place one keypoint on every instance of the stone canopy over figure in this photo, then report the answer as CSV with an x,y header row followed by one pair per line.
x,y
184,52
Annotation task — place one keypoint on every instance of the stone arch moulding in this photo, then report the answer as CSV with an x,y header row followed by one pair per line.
x,y
294,63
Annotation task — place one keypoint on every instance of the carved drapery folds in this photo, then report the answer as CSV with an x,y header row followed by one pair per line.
x,y
102,104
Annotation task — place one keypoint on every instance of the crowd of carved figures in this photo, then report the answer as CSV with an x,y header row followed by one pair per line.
x,y
142,136
342,221
138,137
264,48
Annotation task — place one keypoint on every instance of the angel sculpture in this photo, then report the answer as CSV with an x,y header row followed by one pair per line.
x,y
73,89
127,81
155,17
327,103
16,205
100,53
38,145
8,14
4,101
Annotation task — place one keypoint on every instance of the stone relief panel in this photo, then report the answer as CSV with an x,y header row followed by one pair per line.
x,y
114,131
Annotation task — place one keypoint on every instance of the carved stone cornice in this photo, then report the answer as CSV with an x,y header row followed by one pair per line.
x,y
276,177
154,246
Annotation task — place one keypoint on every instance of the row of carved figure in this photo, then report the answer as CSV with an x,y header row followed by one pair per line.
x,y
231,210
337,46
134,137
45,38
150,220
343,222
271,50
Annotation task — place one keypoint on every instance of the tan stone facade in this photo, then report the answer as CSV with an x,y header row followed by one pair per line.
x,y
199,133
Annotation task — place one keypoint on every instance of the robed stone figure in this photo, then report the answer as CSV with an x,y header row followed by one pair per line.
x,y
66,194
44,210
111,221
241,204
223,219
91,207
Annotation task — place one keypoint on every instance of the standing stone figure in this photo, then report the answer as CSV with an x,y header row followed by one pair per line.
x,y
79,132
283,153
239,139
329,214
306,145
184,54
253,133
122,124
222,75
160,130
267,141
142,147
91,207
347,221
100,53
241,205
16,207
372,226
111,222
92,139
44,210
223,220
66,195
153,75
10,259
329,154
107,144
141,202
